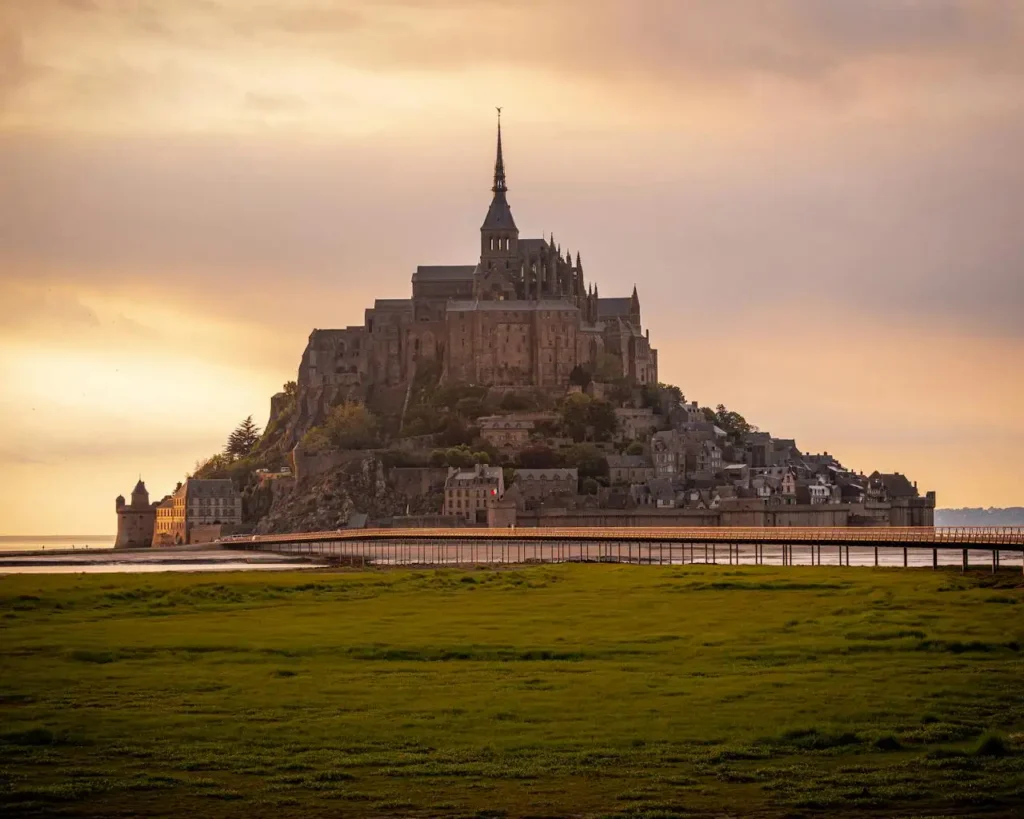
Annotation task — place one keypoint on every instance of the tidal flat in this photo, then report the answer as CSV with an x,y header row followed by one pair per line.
x,y
579,690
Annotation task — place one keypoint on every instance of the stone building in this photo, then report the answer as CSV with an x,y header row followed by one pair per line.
x,y
135,521
467,492
506,432
197,502
544,483
629,469
523,315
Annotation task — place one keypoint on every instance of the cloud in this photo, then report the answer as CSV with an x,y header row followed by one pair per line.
x,y
273,103
14,68
202,63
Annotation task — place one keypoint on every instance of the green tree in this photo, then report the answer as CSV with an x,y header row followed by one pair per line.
x,y
575,414
590,486
351,426
602,420
585,418
580,376
315,440
635,448
588,459
290,388
243,439
539,457
457,432
734,424
459,456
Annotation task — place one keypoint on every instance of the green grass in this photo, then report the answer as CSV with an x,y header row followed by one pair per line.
x,y
582,690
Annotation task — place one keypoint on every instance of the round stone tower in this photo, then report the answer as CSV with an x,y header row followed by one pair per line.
x,y
135,522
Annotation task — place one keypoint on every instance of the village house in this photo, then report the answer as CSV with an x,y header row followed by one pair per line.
x,y
703,456
668,451
505,432
468,491
198,502
629,469
544,483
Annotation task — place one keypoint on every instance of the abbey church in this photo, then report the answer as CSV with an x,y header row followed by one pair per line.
x,y
522,316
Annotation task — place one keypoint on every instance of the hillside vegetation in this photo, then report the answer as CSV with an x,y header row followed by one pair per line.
x,y
558,690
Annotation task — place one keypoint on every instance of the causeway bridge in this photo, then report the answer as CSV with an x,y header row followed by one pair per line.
x,y
962,547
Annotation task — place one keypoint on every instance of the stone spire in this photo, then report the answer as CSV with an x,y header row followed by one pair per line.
x,y
499,164
499,224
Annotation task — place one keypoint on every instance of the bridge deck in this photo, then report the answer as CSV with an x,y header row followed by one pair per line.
x,y
663,546
1009,538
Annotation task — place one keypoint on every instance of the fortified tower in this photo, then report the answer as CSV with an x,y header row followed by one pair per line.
x,y
135,521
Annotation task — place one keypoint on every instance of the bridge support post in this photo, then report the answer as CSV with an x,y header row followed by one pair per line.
x,y
904,557
995,560
935,559
965,567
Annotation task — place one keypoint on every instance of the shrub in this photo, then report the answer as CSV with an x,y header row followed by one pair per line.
x,y
992,744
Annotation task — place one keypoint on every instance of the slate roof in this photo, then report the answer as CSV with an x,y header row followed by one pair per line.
x,y
511,304
627,462
547,474
897,485
392,304
499,214
210,488
613,308
444,273
533,247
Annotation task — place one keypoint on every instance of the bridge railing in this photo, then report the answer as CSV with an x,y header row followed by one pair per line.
x,y
1010,537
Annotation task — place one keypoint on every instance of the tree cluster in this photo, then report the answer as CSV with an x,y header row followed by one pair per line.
x,y
348,426
734,424
459,456
587,419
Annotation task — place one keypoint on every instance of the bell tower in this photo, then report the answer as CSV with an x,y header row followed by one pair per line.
x,y
499,236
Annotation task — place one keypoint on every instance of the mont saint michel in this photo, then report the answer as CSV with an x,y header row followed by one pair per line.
x,y
504,392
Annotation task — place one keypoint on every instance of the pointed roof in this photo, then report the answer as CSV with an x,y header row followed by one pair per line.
x,y
499,164
499,214
139,487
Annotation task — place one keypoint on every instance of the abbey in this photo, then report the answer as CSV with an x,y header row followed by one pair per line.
x,y
521,316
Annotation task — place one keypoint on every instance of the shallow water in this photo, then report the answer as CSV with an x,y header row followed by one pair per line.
x,y
144,568
32,543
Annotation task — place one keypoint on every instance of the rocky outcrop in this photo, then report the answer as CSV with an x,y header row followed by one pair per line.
x,y
329,500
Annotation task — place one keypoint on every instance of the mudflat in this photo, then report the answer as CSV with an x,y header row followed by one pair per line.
x,y
588,690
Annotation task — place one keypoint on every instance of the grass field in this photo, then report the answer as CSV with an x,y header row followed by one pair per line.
x,y
549,691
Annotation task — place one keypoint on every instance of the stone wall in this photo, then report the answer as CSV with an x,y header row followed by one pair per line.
x,y
816,515
209,532
424,522
417,481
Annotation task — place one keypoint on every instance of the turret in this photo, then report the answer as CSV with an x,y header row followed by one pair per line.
x,y
140,496
119,502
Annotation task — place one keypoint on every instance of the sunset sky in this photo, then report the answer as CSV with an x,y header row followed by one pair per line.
x,y
821,203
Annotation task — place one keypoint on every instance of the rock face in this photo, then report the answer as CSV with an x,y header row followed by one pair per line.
x,y
328,501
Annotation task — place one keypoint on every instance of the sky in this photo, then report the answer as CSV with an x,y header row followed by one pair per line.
x,y
820,202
